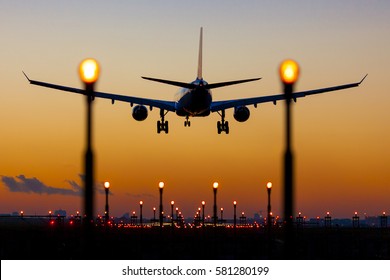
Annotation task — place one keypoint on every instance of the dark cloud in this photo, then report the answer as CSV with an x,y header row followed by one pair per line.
x,y
32,185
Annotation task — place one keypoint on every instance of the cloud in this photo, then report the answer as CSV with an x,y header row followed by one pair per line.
x,y
32,185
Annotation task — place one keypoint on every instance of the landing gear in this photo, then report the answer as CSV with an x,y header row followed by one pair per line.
x,y
162,125
222,125
187,122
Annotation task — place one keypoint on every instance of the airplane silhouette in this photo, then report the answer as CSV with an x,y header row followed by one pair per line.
x,y
194,99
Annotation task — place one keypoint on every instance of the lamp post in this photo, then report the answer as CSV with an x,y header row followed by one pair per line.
x,y
154,215
172,205
203,205
215,218
141,203
235,214
89,74
221,215
161,187
269,187
289,71
106,213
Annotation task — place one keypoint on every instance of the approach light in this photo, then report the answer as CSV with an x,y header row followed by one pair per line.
x,y
89,71
289,71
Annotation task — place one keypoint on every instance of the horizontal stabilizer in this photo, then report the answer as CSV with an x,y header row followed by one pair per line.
x,y
224,84
173,83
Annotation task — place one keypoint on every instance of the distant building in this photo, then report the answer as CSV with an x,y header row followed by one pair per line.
x,y
60,212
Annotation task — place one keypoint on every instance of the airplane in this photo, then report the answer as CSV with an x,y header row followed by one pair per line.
x,y
194,99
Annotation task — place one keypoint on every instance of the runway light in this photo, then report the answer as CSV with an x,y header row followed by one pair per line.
x,y
289,71
89,71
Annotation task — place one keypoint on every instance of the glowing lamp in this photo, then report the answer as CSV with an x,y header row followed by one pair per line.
x,y
106,185
269,185
161,185
215,185
203,202
141,202
289,71
235,202
89,71
172,202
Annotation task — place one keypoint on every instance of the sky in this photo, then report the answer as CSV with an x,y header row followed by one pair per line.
x,y
340,139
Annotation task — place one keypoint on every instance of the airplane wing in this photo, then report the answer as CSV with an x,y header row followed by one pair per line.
x,y
166,105
221,105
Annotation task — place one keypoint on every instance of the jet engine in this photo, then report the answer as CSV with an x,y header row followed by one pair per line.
x,y
241,113
140,112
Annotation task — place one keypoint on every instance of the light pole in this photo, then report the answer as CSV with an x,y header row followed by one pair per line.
x,y
154,215
215,218
172,205
289,71
221,215
89,74
269,186
141,203
161,187
235,213
106,213
203,205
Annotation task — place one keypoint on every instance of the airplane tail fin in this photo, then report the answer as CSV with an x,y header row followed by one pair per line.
x,y
200,54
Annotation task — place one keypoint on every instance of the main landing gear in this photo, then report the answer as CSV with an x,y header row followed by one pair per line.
x,y
187,122
222,125
162,125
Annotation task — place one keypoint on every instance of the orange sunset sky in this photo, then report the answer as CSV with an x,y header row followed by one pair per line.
x,y
340,139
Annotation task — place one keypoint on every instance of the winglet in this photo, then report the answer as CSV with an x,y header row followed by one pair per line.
x,y
200,54
26,76
363,79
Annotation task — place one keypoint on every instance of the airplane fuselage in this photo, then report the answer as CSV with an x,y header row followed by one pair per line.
x,y
194,102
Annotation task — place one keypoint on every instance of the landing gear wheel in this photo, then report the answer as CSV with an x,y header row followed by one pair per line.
x,y
226,128
219,128
158,127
